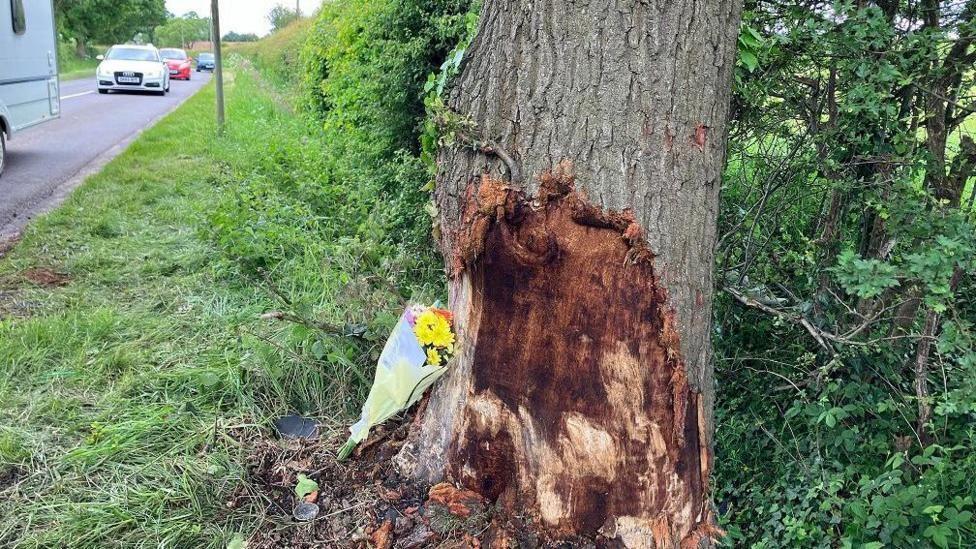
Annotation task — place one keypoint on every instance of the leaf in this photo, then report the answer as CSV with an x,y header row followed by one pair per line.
x,y
318,350
305,486
938,535
933,510
237,542
749,60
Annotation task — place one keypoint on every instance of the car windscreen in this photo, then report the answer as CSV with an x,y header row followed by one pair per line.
x,y
206,57
131,54
178,55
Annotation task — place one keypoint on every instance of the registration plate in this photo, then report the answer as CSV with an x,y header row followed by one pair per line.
x,y
128,80
174,72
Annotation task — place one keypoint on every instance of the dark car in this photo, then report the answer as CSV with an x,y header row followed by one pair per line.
x,y
206,62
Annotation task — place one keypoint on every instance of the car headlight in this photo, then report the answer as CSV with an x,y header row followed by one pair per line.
x,y
102,71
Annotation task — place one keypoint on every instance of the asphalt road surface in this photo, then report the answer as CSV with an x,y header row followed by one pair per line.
x,y
46,162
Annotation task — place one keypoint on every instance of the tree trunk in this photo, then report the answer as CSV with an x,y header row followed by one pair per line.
x,y
81,47
581,398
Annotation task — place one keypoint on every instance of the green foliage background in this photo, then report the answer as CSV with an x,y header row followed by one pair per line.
x,y
106,21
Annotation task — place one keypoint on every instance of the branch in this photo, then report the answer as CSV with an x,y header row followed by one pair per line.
x,y
793,318
491,148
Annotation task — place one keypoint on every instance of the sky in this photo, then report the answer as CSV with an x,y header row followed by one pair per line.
x,y
242,16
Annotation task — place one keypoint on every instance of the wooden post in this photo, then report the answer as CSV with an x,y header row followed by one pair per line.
x,y
218,61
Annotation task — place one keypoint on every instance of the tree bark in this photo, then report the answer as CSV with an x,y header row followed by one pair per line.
x,y
81,47
581,397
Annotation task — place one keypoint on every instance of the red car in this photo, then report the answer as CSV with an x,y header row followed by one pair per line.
x,y
178,63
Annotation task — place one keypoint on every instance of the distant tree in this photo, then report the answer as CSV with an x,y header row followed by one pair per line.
x,y
107,21
238,37
280,17
182,31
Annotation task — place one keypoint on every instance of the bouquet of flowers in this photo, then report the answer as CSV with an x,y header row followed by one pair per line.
x,y
415,355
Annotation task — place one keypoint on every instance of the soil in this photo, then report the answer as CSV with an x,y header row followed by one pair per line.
x,y
45,277
365,503
9,477
362,502
12,287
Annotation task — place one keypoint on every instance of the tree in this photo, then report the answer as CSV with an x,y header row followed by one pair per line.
x,y
183,31
577,194
107,21
239,37
280,17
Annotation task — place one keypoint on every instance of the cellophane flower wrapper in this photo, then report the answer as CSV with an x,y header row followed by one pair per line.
x,y
402,377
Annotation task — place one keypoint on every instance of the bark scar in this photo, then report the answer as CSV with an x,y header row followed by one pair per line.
x,y
701,133
579,398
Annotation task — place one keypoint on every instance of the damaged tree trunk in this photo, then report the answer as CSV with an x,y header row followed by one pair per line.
x,y
581,398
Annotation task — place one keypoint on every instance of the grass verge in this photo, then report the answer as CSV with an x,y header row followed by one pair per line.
x,y
74,69
153,324
124,367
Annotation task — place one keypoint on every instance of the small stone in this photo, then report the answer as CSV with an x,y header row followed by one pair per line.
x,y
297,427
421,536
305,511
401,525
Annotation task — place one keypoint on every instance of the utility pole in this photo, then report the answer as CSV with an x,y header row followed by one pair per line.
x,y
218,61
298,8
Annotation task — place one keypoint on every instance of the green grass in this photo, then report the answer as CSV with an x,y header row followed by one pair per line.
x,y
120,391
278,53
73,69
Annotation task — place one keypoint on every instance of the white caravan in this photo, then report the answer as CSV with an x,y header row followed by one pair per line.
x,y
28,67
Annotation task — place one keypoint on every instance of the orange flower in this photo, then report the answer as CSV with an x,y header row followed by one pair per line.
x,y
444,313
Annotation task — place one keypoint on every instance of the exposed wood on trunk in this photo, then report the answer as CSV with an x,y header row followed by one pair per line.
x,y
582,396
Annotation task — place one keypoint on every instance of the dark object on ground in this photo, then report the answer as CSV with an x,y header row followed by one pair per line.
x,y
305,512
295,426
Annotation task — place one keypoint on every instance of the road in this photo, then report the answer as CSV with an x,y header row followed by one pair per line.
x,y
46,162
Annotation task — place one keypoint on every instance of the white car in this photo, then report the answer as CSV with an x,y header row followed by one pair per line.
x,y
132,67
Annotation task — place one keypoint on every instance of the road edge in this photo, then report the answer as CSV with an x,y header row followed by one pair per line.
x,y
10,234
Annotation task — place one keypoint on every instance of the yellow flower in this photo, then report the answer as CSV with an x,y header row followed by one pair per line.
x,y
433,358
433,329
442,336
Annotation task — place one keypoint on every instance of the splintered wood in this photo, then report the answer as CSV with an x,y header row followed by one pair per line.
x,y
579,411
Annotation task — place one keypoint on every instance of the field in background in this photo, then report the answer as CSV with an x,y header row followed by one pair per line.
x,y
279,53
78,68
